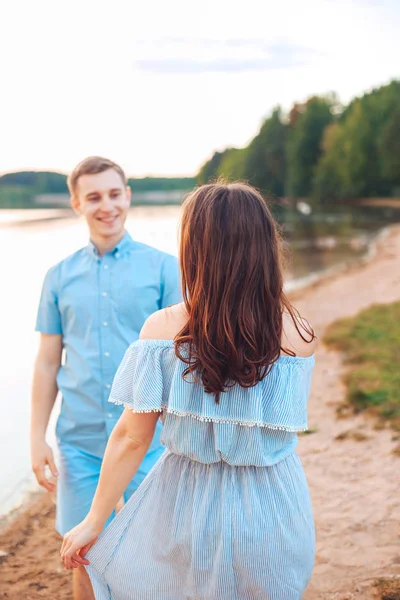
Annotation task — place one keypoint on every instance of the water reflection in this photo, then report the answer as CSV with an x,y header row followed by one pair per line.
x,y
319,241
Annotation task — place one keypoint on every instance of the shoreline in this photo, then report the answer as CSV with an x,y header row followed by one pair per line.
x,y
356,540
314,279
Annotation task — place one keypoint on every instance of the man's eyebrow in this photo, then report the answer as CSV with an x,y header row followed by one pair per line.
x,y
96,193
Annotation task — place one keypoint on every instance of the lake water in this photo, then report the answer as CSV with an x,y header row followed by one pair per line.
x,y
29,248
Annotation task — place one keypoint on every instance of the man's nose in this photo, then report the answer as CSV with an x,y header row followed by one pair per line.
x,y
106,203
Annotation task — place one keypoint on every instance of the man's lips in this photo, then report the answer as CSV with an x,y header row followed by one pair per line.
x,y
107,219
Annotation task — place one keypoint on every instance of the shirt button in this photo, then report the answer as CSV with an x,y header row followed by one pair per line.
x,y
108,386
117,255
104,294
105,324
106,267
106,354
109,415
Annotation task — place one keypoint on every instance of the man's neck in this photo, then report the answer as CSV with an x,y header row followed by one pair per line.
x,y
104,245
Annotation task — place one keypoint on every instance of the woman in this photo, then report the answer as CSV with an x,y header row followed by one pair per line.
x,y
225,514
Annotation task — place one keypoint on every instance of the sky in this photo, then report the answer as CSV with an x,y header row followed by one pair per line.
x,y
158,86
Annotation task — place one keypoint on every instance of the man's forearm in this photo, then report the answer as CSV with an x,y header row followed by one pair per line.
x,y
44,394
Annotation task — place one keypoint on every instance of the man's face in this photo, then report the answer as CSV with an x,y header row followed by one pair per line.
x,y
104,201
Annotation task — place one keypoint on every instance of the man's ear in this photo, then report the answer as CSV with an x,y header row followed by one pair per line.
x,y
75,204
129,193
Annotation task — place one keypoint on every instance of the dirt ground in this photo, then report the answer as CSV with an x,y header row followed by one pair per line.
x,y
350,462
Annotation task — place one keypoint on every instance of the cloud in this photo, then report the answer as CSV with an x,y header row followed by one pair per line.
x,y
187,56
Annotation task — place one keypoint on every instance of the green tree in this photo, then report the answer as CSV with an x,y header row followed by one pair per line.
x,y
15,196
164,184
209,171
228,164
361,156
328,183
265,166
389,149
307,125
37,182
232,165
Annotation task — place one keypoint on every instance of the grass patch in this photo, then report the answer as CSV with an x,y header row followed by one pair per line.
x,y
371,346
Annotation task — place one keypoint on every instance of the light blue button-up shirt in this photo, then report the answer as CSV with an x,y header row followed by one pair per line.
x,y
98,305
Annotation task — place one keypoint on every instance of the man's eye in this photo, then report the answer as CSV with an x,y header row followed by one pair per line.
x,y
115,195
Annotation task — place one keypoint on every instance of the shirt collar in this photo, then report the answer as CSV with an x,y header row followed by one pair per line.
x,y
123,246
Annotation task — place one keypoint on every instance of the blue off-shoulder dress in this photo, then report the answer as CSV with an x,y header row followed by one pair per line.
x,y
225,514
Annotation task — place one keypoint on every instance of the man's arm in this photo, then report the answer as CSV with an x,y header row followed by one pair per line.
x,y
44,393
171,292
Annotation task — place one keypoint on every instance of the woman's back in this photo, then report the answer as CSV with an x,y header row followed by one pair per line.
x,y
248,426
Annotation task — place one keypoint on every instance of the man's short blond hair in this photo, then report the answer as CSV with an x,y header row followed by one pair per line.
x,y
91,166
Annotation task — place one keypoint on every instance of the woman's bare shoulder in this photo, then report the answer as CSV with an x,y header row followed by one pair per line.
x,y
165,324
298,335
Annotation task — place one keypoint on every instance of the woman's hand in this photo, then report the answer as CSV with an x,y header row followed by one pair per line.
x,y
78,542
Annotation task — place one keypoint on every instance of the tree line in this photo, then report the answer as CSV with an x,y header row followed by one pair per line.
x,y
321,150
19,189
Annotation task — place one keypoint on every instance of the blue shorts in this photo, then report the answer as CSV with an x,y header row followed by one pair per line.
x,y
79,474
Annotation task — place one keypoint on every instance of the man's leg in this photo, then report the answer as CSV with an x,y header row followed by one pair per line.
x,y
82,588
77,482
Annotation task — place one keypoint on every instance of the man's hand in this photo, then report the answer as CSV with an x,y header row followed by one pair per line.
x,y
42,456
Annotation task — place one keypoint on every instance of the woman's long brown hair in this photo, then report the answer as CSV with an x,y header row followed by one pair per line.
x,y
231,266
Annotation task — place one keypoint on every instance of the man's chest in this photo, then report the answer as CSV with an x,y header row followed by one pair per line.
x,y
106,294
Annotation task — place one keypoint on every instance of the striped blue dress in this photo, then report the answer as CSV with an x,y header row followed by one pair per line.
x,y
225,514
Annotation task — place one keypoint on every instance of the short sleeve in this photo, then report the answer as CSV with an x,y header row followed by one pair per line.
x,y
141,381
48,316
170,282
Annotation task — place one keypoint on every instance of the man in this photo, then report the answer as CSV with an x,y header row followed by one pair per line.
x,y
93,306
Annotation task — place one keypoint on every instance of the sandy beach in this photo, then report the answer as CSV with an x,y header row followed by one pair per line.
x,y
351,467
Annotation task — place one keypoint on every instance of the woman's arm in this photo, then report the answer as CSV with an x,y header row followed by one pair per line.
x,y
125,451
